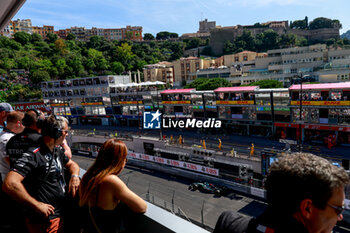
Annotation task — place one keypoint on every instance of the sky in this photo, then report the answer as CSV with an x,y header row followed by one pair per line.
x,y
179,16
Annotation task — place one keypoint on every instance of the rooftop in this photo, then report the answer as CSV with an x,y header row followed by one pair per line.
x,y
343,85
183,91
236,89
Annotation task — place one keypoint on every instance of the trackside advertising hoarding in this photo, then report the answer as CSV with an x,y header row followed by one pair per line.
x,y
175,163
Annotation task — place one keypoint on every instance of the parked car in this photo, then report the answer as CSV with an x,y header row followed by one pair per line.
x,y
207,188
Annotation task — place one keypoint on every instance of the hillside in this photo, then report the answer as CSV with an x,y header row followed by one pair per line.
x,y
345,35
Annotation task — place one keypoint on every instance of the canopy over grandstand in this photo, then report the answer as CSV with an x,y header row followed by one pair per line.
x,y
180,91
322,86
237,89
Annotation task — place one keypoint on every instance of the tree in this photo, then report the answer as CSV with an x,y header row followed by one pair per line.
x,y
7,63
61,66
22,37
266,84
245,41
208,83
193,43
269,40
166,35
60,46
117,67
322,22
51,37
148,36
39,76
36,37
24,63
125,55
299,24
288,40
129,35
229,48
70,36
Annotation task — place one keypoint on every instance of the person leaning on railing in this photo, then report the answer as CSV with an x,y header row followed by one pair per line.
x,y
105,199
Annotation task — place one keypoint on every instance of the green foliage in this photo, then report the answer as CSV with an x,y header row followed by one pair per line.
x,y
166,35
148,36
208,83
125,55
117,67
40,76
51,37
266,84
70,36
299,24
322,22
128,35
36,38
22,37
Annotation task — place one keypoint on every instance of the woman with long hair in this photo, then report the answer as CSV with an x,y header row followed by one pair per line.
x,y
103,193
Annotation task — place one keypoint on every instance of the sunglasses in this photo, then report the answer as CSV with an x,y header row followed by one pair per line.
x,y
338,210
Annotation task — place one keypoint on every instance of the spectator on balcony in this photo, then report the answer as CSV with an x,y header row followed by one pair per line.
x,y
14,126
305,193
36,179
103,195
30,136
5,109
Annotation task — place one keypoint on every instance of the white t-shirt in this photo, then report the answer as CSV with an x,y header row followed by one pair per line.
x,y
4,166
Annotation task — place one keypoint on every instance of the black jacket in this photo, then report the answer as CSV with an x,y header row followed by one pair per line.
x,y
270,222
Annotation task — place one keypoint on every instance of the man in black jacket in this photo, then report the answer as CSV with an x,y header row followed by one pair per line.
x,y
36,179
305,194
19,143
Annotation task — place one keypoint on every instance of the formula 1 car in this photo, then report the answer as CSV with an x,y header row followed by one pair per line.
x,y
206,187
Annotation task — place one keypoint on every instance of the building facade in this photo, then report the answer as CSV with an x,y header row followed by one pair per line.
x,y
43,31
162,71
183,67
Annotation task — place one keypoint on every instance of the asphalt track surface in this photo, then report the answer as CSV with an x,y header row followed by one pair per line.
x,y
163,187
240,143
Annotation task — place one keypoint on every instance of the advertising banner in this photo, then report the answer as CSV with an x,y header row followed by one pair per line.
x,y
235,102
26,106
130,102
91,104
177,102
176,163
321,103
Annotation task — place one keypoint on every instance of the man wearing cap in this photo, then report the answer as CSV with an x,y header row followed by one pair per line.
x,y
5,109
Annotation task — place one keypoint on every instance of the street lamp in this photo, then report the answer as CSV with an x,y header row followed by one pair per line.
x,y
160,129
301,77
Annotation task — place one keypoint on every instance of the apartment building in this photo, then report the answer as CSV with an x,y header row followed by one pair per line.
x,y
19,25
113,34
183,67
242,57
162,71
79,32
316,61
43,31
63,33
132,33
